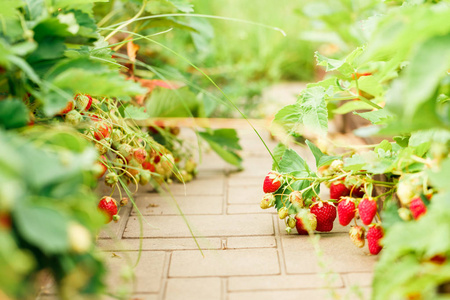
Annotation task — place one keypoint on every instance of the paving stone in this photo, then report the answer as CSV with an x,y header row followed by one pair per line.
x,y
224,263
159,244
240,209
193,289
209,186
208,226
254,166
245,194
251,242
318,294
286,282
197,205
339,254
148,272
113,229
242,181
358,279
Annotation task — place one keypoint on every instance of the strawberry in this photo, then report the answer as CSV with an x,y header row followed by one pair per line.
x,y
346,210
80,239
283,213
108,207
133,167
126,151
374,235
144,177
357,192
272,182
124,201
83,102
296,199
267,201
73,117
101,130
148,166
101,168
338,190
301,228
357,236
367,210
325,213
140,155
417,207
66,109
111,179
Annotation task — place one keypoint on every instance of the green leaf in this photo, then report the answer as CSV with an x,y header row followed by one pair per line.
x,y
289,119
352,106
441,136
385,145
314,110
377,117
321,158
42,227
292,163
224,142
13,114
440,178
333,64
278,152
173,103
135,113
182,5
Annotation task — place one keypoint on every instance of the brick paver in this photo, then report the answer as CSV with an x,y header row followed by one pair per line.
x,y
247,253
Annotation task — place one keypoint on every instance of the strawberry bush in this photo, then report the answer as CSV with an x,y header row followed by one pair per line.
x,y
394,193
74,109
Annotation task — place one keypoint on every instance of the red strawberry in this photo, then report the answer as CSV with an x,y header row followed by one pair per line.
x,y
272,182
83,102
346,210
325,213
301,228
108,206
338,190
367,210
374,235
417,208
148,166
68,108
140,155
358,192
438,259
102,168
101,130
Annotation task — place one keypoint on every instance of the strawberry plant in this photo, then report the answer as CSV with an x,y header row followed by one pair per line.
x,y
70,104
397,80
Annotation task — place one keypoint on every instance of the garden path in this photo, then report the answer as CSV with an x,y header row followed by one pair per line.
x,y
247,253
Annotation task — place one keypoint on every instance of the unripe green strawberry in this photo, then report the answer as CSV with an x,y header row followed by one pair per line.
x,y
296,199
111,179
101,147
144,177
404,213
124,201
83,102
185,176
190,166
357,236
267,201
116,218
80,239
73,118
336,165
288,230
292,222
126,151
283,213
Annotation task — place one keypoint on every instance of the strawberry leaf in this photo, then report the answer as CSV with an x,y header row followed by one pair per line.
x,y
292,163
